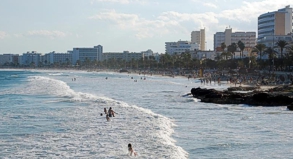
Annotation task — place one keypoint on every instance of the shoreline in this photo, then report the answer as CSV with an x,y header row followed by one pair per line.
x,y
254,83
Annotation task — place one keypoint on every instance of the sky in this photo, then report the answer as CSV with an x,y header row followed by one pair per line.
x,y
121,25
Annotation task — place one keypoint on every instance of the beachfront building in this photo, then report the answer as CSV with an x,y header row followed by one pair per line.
x,y
6,59
228,37
57,58
269,40
199,38
201,55
84,55
275,23
125,55
30,58
148,53
157,56
180,47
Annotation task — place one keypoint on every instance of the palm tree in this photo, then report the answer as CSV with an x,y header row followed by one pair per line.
x,y
186,58
289,56
241,46
223,46
226,55
260,48
289,50
272,54
218,57
282,44
232,48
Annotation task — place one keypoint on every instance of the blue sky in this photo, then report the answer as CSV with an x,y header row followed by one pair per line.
x,y
120,25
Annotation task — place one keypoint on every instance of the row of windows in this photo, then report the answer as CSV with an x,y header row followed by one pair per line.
x,y
267,16
264,27
265,32
264,22
243,40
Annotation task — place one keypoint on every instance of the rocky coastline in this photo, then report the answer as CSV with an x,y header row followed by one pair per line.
x,y
253,96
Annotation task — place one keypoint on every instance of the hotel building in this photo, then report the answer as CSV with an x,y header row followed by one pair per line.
x,y
228,37
125,55
275,23
180,47
30,58
199,38
84,54
275,26
61,58
6,58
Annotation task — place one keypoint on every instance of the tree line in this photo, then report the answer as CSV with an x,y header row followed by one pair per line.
x,y
223,60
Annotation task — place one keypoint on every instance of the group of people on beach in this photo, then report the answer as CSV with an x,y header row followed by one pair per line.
x,y
111,113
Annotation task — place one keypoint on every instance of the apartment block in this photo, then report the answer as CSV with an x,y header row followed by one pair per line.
x,y
275,23
199,38
228,37
180,47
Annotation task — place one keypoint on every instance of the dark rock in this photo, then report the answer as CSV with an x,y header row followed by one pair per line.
x,y
260,97
242,88
214,95
198,92
290,107
252,98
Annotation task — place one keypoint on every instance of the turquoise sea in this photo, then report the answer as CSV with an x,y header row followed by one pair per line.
x,y
47,114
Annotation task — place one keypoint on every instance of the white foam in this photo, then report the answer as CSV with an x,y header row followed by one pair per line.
x,y
87,131
55,74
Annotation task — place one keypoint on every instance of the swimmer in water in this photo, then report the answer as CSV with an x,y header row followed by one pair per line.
x,y
107,117
131,151
111,112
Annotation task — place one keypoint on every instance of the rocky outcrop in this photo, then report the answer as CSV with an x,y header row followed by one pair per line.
x,y
290,107
242,88
252,98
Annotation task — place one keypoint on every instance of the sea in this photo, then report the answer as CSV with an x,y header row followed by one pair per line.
x,y
60,114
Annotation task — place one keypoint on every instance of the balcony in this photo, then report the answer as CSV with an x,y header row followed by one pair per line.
x,y
266,19
264,25
266,31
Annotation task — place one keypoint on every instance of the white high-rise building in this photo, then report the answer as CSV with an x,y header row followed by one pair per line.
x,y
84,54
228,37
31,58
180,47
6,58
199,38
125,55
53,57
275,23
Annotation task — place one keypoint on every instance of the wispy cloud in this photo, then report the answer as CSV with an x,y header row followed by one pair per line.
x,y
173,22
163,24
120,1
210,5
248,11
46,34
3,34
112,1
